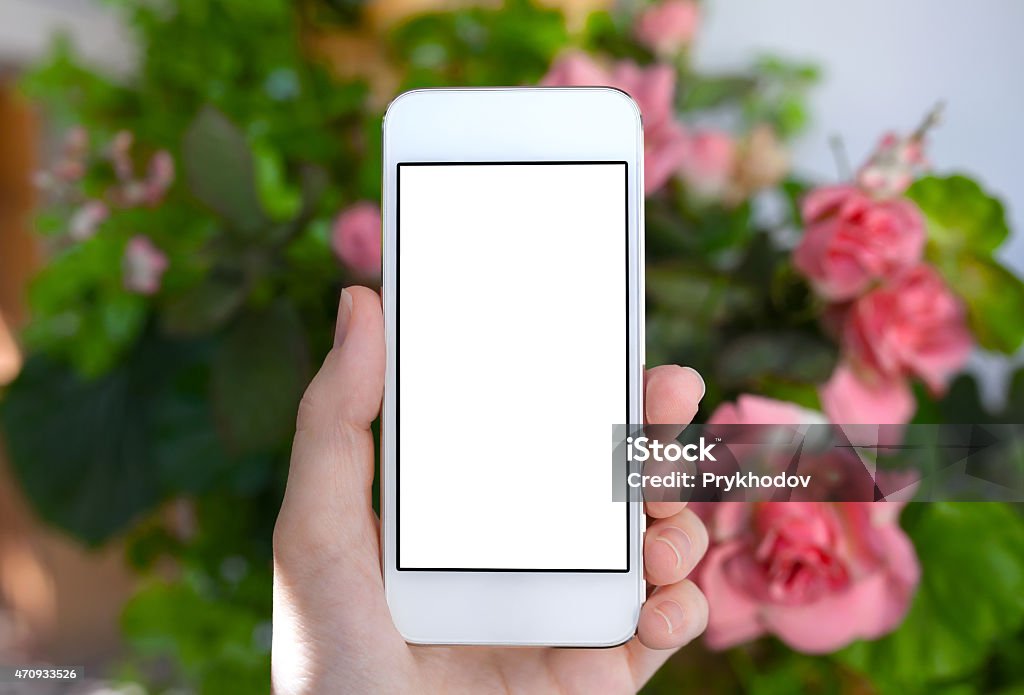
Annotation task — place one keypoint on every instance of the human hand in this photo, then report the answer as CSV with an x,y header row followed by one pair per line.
x,y
332,628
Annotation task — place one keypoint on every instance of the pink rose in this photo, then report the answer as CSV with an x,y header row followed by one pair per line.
x,y
653,89
758,410
709,163
818,575
667,27
914,325
356,238
144,265
852,397
852,240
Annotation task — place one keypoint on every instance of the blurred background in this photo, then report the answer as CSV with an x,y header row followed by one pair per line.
x,y
185,186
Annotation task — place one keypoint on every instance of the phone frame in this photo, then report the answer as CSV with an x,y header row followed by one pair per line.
x,y
501,125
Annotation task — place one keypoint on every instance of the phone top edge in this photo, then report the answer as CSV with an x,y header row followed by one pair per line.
x,y
410,94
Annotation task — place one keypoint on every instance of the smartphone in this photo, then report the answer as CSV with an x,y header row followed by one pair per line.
x,y
513,296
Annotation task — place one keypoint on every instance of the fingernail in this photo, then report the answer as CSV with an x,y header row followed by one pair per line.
x,y
676,539
672,613
344,314
703,386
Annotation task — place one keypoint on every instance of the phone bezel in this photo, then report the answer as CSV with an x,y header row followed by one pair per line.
x,y
495,125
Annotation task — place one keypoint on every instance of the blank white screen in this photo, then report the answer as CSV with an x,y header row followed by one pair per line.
x,y
512,365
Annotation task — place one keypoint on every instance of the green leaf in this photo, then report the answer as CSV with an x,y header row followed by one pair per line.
x,y
961,404
281,200
671,338
960,215
206,306
787,355
1015,397
970,598
803,394
724,230
258,374
781,94
994,297
696,294
94,455
81,311
700,93
220,171
965,226
792,115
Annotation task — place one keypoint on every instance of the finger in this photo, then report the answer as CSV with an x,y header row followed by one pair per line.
x,y
672,394
347,390
673,547
671,397
327,502
672,617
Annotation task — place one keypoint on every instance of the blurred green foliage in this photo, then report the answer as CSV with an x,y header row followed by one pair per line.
x,y
477,46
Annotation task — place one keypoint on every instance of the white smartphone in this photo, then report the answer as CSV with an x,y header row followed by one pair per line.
x,y
513,296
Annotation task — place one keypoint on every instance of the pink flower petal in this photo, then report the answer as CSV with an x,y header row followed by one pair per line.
x,y
733,616
848,399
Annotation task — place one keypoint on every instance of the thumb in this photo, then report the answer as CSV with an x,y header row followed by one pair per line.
x,y
327,511
347,391
328,594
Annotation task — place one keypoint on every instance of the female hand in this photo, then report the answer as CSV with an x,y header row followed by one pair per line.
x,y
332,629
